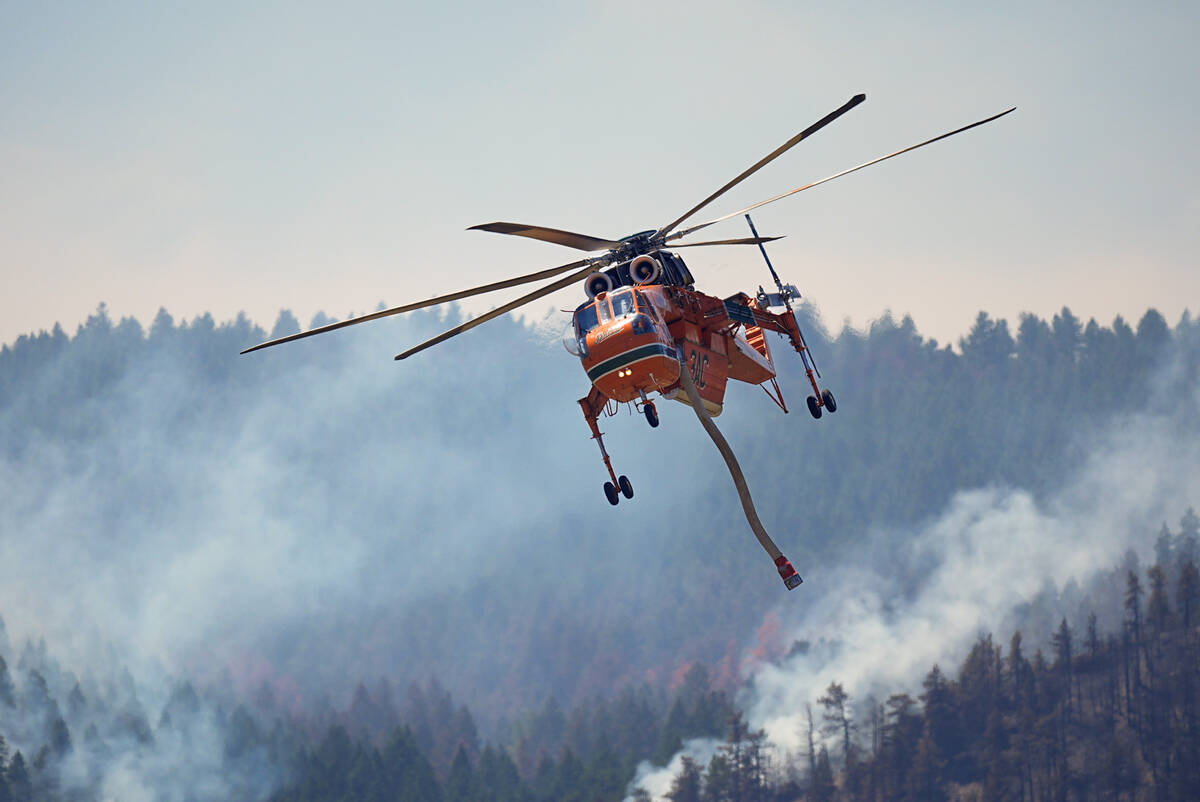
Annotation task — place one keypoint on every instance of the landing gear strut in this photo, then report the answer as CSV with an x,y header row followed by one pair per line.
x,y
592,406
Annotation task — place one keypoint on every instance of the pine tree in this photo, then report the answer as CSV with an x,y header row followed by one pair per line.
x,y
995,759
1188,593
19,783
1063,653
570,772
1158,609
543,779
8,697
925,780
902,727
686,785
497,775
941,718
836,717
1133,652
718,781
460,782
821,787
1164,545
1187,542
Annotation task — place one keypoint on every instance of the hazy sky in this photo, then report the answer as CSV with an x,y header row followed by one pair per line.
x,y
222,158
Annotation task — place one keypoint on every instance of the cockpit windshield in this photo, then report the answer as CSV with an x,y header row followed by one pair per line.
x,y
623,303
585,318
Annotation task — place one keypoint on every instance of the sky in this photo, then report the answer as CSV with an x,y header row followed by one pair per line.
x,y
229,157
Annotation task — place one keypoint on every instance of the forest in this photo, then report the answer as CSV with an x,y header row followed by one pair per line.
x,y
299,577
1100,715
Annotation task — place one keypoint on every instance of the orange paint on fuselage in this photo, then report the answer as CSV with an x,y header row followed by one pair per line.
x,y
629,350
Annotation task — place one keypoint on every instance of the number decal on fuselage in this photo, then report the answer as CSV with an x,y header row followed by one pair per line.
x,y
699,363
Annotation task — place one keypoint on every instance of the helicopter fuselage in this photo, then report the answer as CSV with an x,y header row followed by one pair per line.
x,y
635,339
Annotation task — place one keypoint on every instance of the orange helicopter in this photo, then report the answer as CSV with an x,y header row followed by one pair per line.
x,y
644,324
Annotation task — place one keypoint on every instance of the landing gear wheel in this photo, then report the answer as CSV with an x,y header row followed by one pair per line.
x,y
814,407
651,414
610,492
829,400
626,487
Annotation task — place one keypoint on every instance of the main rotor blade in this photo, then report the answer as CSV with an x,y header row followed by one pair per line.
x,y
752,207
779,151
498,311
741,241
581,242
395,310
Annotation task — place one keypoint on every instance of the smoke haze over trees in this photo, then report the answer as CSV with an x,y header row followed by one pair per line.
x,y
288,524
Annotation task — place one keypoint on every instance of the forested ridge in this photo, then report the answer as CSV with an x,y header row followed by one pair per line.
x,y
291,529
1101,715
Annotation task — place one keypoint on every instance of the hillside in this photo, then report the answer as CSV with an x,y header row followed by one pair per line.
x,y
289,524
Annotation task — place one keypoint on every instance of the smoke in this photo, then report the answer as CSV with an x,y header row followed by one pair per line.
x,y
877,620
657,781
310,516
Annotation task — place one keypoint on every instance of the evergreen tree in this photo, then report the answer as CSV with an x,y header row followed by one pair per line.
x,y
836,716
941,719
902,727
674,730
1158,609
719,781
821,786
409,773
1188,593
1187,541
1164,546
925,780
1063,654
5,791
996,760
570,773
686,785
19,784
8,697
460,783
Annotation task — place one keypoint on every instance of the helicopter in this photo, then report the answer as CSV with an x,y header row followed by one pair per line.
x,y
644,328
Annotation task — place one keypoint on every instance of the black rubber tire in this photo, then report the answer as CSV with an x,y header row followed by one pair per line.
x,y
814,407
651,414
610,492
829,400
626,486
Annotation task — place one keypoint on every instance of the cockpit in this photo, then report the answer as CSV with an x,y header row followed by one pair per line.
x,y
624,302
619,303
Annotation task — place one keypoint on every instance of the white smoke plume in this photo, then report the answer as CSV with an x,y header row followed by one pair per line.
x,y
657,781
878,621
